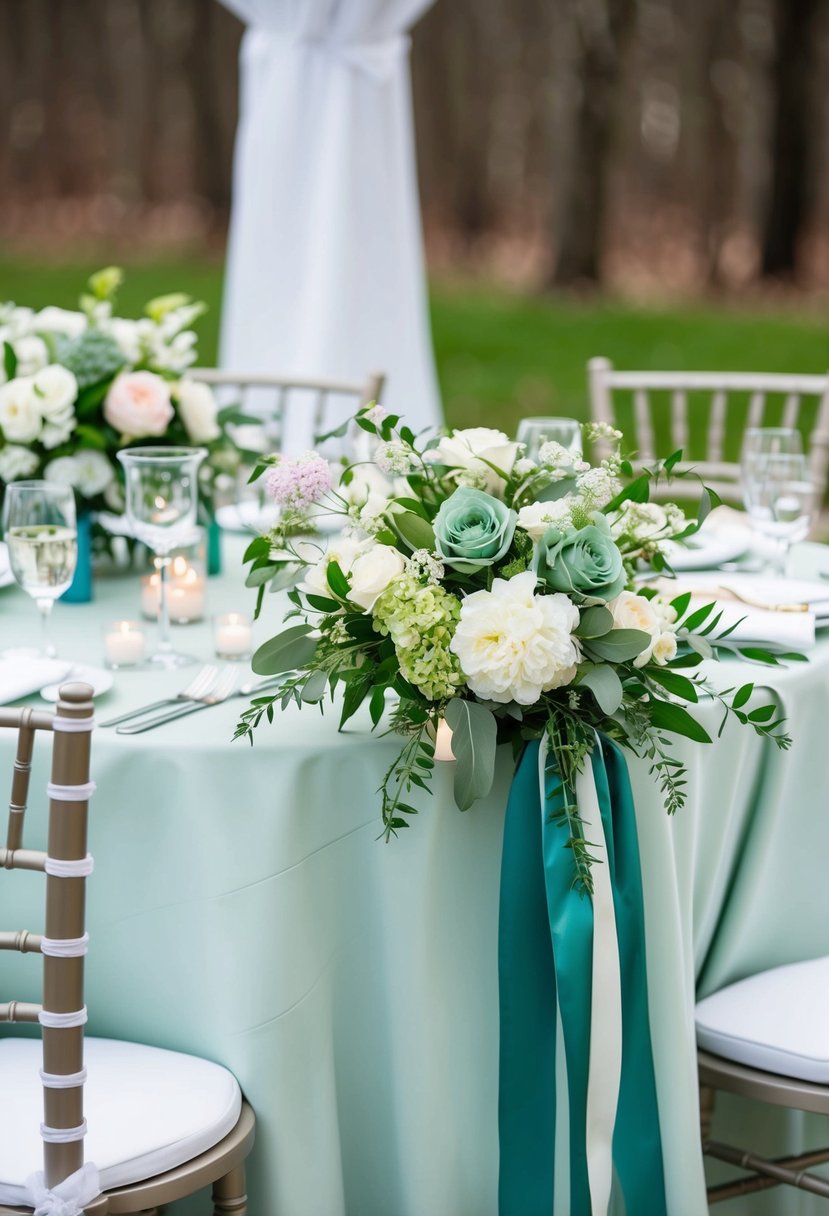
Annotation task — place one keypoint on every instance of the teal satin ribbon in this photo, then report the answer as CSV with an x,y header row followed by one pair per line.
x,y
545,961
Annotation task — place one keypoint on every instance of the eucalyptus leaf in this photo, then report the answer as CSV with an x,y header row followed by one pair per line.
x,y
595,622
619,645
677,720
416,532
474,743
290,650
313,689
605,686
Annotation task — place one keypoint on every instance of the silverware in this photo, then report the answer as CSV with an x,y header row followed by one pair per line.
x,y
196,689
245,690
219,691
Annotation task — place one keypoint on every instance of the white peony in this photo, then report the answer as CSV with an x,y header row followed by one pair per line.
x,y
470,449
32,354
19,413
59,321
198,410
631,611
513,644
539,517
372,572
17,462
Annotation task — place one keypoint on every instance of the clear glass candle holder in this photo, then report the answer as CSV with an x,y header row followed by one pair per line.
x,y
232,636
124,644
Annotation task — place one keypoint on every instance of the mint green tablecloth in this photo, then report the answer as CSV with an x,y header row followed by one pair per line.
x,y
242,908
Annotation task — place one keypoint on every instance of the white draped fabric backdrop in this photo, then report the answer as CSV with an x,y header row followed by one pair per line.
x,y
325,274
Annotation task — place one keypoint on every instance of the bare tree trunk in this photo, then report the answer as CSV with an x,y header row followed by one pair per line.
x,y
599,27
795,119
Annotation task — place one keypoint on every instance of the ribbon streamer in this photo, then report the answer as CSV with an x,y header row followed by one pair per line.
x,y
68,1198
573,967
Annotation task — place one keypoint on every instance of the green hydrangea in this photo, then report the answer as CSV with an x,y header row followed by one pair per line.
x,y
421,621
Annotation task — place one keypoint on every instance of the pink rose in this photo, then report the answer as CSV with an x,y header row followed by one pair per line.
x,y
138,404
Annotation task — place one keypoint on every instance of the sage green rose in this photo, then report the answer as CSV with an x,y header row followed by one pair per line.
x,y
583,563
473,530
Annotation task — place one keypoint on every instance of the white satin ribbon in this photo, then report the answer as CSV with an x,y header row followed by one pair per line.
x,y
68,1198
605,1069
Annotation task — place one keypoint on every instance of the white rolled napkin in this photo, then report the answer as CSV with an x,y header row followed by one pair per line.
x,y
20,677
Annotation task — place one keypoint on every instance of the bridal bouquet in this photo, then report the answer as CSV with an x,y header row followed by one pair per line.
x,y
75,387
496,597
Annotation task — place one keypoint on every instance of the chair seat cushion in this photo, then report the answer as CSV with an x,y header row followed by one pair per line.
x,y
777,1021
147,1111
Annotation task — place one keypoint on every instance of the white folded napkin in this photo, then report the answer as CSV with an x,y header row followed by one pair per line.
x,y
795,630
19,677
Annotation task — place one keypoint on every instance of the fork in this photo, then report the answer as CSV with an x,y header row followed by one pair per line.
x,y
194,691
219,691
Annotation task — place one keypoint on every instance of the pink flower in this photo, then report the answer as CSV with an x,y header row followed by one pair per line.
x,y
138,404
300,482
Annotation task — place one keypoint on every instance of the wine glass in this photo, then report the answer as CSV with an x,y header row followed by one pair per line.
x,y
162,496
42,537
533,432
771,441
780,499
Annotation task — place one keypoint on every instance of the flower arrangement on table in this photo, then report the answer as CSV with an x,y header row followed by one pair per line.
x,y
495,594
77,386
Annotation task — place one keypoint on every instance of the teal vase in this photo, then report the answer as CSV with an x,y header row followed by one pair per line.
x,y
214,547
80,589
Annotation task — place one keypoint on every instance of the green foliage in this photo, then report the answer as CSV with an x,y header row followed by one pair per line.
x,y
474,741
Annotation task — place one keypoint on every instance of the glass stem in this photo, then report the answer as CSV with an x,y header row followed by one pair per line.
x,y
164,642
45,609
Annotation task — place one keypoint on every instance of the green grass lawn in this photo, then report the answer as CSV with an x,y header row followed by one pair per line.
x,y
501,356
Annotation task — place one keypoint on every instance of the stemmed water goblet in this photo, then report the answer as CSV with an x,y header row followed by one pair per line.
x,y
41,533
534,432
779,498
162,495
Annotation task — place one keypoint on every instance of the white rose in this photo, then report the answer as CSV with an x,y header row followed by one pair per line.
x,y
56,390
664,648
513,644
469,449
539,517
94,472
372,572
59,321
632,611
19,413
63,471
641,520
138,404
32,354
17,462
343,551
17,322
198,410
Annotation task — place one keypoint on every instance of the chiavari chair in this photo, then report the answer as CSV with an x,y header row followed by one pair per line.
x,y
162,1124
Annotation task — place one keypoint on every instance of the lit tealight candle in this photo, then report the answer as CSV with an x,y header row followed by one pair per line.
x,y
232,636
443,742
185,593
123,644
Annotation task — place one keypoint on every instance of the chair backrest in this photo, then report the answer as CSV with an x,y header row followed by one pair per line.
x,y
272,394
63,944
733,400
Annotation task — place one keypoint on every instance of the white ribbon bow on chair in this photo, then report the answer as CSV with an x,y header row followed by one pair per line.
x,y
68,1198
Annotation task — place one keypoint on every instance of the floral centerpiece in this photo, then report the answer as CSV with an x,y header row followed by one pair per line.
x,y
76,386
497,594
501,599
